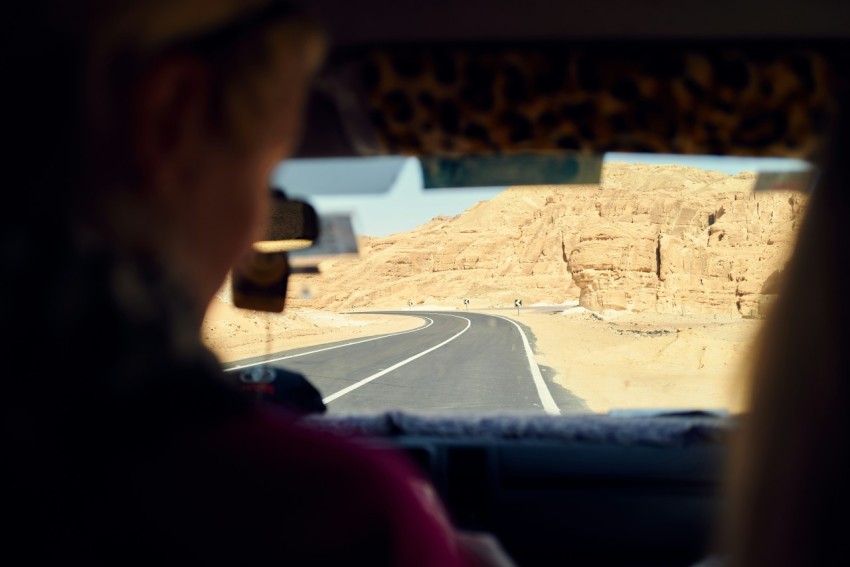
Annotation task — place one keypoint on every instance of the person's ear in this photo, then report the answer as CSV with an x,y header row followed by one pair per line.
x,y
170,122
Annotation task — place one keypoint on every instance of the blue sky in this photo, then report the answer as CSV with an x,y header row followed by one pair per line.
x,y
384,195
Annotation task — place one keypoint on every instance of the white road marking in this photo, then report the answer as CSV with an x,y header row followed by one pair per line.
x,y
546,399
368,379
430,322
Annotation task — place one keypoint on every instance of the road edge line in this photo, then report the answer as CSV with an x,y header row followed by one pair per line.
x,y
549,405
423,327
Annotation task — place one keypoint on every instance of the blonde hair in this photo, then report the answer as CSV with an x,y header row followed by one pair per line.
x,y
125,36
789,465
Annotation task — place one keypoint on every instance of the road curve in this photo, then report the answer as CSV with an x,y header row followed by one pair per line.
x,y
457,361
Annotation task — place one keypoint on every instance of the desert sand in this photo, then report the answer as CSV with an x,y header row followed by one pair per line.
x,y
622,360
234,334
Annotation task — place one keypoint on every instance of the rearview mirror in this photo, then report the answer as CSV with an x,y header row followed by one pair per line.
x,y
259,281
293,225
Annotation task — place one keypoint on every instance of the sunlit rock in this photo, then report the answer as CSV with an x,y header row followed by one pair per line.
x,y
667,239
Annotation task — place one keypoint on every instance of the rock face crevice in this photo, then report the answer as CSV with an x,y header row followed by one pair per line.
x,y
667,239
658,258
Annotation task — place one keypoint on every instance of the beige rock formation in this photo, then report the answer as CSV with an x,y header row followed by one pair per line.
x,y
666,239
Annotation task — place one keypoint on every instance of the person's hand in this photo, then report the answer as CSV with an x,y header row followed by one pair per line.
x,y
484,549
481,549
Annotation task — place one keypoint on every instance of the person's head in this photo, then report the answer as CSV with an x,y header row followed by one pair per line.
x,y
183,108
788,475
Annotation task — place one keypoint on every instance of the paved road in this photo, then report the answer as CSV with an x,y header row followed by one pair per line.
x,y
456,361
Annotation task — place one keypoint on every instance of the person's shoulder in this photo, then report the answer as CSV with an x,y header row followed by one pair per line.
x,y
327,483
276,439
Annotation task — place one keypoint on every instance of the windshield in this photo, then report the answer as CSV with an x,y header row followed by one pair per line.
x,y
644,291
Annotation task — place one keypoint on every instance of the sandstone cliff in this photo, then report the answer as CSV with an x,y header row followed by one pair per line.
x,y
669,239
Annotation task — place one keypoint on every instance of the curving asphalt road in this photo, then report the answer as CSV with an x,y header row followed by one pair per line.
x,y
456,361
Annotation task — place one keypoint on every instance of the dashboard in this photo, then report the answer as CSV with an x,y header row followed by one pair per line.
x,y
584,489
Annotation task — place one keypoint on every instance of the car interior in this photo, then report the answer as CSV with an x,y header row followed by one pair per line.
x,y
535,92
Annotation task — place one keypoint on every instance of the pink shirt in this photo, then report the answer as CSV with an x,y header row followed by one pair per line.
x,y
263,489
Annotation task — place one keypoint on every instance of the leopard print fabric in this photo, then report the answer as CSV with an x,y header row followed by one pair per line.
x,y
662,99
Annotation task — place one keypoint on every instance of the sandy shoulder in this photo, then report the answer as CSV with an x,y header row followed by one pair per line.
x,y
645,360
233,334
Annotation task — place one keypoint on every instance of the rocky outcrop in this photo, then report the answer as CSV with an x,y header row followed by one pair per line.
x,y
686,248
669,239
